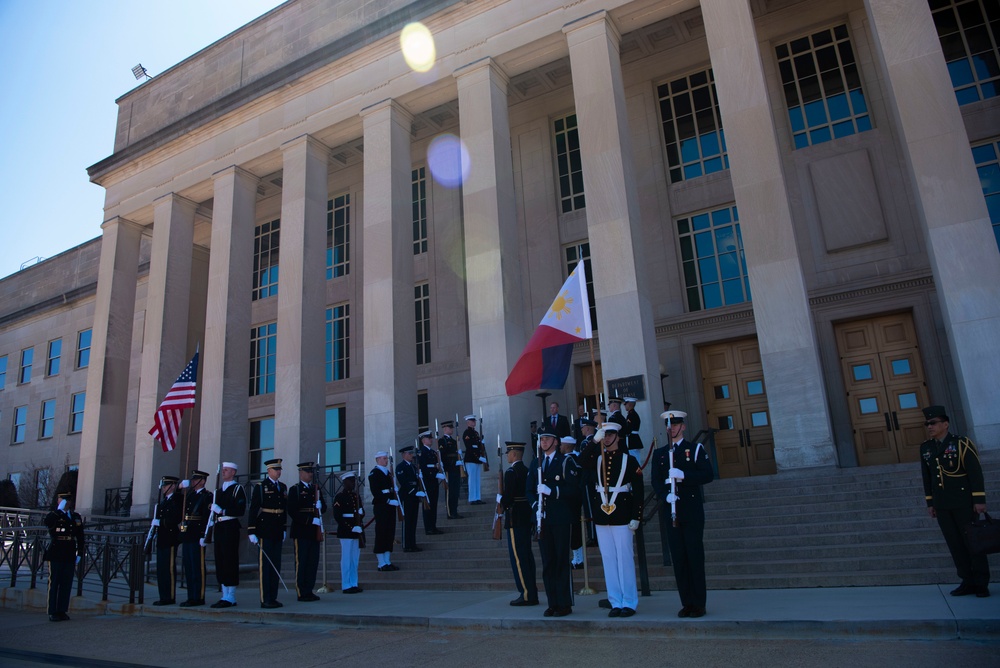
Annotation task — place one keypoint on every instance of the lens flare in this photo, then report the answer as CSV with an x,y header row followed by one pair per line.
x,y
417,45
448,160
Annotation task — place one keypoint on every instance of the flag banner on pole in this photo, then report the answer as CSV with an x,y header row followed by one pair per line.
x,y
167,420
546,359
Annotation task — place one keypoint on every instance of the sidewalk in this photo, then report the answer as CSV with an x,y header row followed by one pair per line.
x,y
924,612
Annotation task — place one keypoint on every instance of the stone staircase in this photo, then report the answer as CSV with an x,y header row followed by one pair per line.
x,y
815,528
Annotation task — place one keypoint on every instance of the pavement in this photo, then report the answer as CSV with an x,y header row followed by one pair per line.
x,y
918,612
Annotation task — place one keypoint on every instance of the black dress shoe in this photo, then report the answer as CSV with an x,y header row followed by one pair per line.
x,y
684,612
695,611
222,604
392,567
434,532
983,592
55,618
271,604
549,612
604,603
455,517
63,617
963,590
164,602
520,602
627,612
578,566
193,603
561,612
615,612
412,549
307,598
353,590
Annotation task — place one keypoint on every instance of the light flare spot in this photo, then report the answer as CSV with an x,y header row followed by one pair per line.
x,y
417,45
448,160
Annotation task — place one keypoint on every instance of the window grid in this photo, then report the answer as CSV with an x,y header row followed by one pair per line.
x,y
20,425
42,477
988,166
27,360
692,126
338,236
336,437
419,199
46,426
266,242
338,342
77,403
822,87
569,164
422,310
3,371
969,32
715,267
54,358
574,254
263,347
83,340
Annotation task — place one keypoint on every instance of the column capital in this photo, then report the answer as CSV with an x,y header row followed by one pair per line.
x,y
124,222
592,25
235,170
385,106
480,68
308,141
174,198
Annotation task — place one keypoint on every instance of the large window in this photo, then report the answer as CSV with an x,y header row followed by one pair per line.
x,y
54,357
419,198
969,31
76,405
42,496
574,254
422,313
336,437
423,411
261,445
338,236
48,419
986,157
3,371
822,87
19,429
83,348
27,360
338,342
263,347
266,241
569,164
715,269
692,126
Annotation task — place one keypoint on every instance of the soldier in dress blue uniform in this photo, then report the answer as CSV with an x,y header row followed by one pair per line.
x,y
197,507
66,549
385,505
475,459
266,530
554,490
518,522
427,465
411,495
228,506
306,506
350,515
955,493
166,521
692,469
450,458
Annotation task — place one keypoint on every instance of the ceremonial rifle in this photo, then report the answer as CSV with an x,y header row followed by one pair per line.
x,y
482,442
498,513
540,511
147,548
209,527
316,511
420,480
400,513
440,464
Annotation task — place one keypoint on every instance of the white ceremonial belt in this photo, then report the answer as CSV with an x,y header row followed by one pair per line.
x,y
614,490
225,518
348,514
385,491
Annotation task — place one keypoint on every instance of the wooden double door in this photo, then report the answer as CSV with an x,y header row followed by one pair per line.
x,y
736,405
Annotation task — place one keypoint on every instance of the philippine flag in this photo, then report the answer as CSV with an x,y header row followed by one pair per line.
x,y
546,359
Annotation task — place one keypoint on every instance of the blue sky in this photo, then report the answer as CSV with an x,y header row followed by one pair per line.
x,y
64,64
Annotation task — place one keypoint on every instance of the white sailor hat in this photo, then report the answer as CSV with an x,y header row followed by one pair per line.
x,y
426,434
381,453
611,426
230,465
348,474
628,400
676,417
470,417
568,439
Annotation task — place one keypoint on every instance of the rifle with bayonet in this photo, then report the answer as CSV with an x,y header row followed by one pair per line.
x,y
498,513
420,480
147,547
400,513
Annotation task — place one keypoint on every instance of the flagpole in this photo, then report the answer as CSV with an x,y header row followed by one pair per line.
x,y
187,450
593,370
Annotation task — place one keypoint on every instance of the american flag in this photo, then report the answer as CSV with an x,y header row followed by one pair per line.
x,y
167,420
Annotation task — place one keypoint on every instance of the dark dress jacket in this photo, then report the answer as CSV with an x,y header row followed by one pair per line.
x,y
952,473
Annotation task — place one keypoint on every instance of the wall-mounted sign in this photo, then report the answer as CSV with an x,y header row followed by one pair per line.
x,y
632,386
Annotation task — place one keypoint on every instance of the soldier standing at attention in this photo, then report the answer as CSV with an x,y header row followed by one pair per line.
x,y
450,458
427,465
266,530
475,459
567,446
631,440
385,505
66,548
229,506
955,493
197,507
350,514
518,522
166,521
306,506
410,494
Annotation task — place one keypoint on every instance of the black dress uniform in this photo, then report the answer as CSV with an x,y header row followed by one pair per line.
x,y
427,464
562,476
687,548
66,546
518,522
305,534
953,483
232,498
168,512
380,486
448,447
350,515
197,508
475,455
631,430
268,504
409,485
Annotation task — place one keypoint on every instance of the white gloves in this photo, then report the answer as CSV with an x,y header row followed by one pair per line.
x,y
633,525
599,436
185,484
284,535
676,474
317,521
62,504
217,509
155,523
201,541
544,489
499,498
672,498
253,538
393,502
78,558
440,476
482,459
319,504
356,530
361,512
421,495
385,491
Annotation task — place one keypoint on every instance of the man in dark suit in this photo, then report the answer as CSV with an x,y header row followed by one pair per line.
x,y
518,523
554,491
306,506
166,518
556,423
66,548
690,470
266,530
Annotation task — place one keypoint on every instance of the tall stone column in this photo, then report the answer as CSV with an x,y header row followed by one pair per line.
x,y
164,345
225,359
300,396
614,223
796,393
101,446
388,315
493,274
953,214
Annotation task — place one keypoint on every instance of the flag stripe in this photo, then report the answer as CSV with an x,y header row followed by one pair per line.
x,y
182,395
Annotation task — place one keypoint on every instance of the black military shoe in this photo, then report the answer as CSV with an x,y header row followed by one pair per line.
x,y
307,598
562,612
549,612
615,612
684,612
435,532
695,611
222,604
983,592
193,603
271,604
604,603
963,590
164,602
627,612
520,602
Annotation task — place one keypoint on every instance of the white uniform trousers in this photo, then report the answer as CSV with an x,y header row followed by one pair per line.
x,y
475,473
350,552
619,565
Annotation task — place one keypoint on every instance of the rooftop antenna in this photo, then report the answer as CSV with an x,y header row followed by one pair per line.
x,y
139,71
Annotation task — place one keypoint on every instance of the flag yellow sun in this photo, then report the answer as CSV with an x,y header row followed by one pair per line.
x,y
561,306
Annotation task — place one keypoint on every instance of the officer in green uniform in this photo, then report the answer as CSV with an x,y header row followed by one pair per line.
x,y
955,493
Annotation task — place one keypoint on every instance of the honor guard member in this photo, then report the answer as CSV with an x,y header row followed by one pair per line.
x,y
554,491
616,497
385,506
197,508
956,494
266,530
450,458
631,440
166,521
567,446
615,415
588,428
229,505
518,521
475,459
692,469
306,506
350,516
66,549
407,476
431,475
